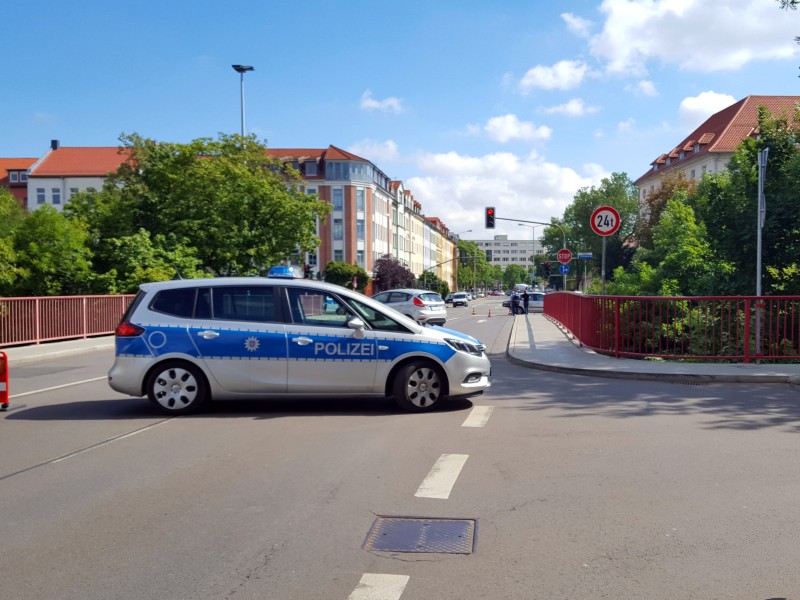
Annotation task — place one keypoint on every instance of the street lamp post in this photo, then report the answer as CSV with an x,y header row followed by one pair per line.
x,y
242,69
533,245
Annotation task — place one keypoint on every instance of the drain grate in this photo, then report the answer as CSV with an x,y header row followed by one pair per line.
x,y
404,534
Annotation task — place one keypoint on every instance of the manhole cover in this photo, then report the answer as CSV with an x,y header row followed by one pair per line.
x,y
403,534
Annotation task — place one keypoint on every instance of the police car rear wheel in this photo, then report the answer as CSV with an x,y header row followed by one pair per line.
x,y
176,388
418,386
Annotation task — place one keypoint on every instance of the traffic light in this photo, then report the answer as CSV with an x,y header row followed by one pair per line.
x,y
547,270
490,217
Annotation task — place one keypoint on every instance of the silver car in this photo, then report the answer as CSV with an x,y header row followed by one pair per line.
x,y
182,343
421,305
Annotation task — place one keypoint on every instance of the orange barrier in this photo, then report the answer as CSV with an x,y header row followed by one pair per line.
x,y
473,311
490,312
3,381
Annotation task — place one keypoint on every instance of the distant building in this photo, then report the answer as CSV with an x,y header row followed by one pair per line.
x,y
710,147
504,252
65,171
14,177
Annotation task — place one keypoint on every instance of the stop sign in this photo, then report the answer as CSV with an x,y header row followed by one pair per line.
x,y
564,256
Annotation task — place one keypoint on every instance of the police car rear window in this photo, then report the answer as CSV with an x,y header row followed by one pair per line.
x,y
178,302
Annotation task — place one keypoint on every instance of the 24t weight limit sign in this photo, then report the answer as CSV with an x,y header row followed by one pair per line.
x,y
605,222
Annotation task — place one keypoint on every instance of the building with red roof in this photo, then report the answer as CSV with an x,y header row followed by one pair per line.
x,y
710,147
65,171
14,177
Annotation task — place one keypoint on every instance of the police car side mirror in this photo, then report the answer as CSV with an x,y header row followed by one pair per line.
x,y
358,325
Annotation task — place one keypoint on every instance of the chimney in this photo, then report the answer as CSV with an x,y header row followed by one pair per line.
x,y
54,144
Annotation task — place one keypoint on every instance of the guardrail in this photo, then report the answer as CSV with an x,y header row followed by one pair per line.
x,y
700,328
45,319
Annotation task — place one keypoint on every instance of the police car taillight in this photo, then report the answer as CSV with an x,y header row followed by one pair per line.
x,y
128,330
418,302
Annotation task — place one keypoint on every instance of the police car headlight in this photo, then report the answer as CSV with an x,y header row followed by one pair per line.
x,y
464,346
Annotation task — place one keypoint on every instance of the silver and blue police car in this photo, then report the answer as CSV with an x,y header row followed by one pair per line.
x,y
182,343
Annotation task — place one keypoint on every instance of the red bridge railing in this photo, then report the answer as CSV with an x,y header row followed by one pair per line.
x,y
713,328
44,319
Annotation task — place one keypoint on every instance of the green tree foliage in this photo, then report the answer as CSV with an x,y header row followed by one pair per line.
x,y
11,215
52,255
241,211
390,274
342,273
429,281
514,274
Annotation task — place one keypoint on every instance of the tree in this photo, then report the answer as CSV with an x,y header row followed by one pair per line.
x,y
514,274
52,255
239,209
672,183
390,274
429,281
342,273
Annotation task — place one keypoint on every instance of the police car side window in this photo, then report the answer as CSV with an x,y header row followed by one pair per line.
x,y
244,303
318,308
177,302
376,319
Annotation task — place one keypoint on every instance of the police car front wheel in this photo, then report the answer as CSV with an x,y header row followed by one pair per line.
x,y
176,388
418,386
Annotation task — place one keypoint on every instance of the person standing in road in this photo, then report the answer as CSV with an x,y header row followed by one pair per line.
x,y
526,297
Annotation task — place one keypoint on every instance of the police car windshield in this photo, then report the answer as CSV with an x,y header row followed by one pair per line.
x,y
377,319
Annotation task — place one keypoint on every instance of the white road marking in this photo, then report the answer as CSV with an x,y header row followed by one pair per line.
x,y
375,586
442,477
478,417
57,387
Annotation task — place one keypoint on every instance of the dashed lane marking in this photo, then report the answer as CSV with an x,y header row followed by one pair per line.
x,y
376,586
442,477
478,416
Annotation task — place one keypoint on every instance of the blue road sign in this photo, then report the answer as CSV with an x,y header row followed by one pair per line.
x,y
564,269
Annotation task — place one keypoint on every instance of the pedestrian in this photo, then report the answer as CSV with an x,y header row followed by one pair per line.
x,y
514,302
525,299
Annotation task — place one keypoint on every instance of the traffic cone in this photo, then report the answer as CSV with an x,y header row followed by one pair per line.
x,y
490,312
473,311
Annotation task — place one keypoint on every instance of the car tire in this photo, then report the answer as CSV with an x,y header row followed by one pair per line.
x,y
177,388
418,386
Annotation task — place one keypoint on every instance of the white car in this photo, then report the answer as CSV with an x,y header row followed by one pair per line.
x,y
421,305
182,343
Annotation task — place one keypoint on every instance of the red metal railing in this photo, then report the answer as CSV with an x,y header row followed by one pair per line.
x,y
714,328
44,319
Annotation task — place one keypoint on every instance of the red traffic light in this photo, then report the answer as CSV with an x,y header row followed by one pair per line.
x,y
489,217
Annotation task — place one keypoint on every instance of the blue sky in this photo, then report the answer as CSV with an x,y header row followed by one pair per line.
x,y
513,104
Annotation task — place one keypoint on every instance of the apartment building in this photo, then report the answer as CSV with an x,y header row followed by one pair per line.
x,y
504,252
710,147
372,216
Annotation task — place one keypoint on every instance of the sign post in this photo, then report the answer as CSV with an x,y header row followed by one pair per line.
x,y
605,221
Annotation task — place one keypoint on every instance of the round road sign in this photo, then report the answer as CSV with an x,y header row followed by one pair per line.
x,y
605,220
564,255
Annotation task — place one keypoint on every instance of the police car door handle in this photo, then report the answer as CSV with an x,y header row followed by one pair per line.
x,y
208,334
303,341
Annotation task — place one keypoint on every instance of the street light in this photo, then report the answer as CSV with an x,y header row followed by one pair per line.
x,y
533,245
241,70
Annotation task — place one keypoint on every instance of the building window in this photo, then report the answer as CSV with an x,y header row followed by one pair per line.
x,y
338,229
72,192
13,176
311,191
39,195
360,230
311,167
360,205
338,255
23,177
360,259
56,196
692,174
338,199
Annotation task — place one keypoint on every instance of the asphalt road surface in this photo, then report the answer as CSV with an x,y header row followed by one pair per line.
x,y
577,487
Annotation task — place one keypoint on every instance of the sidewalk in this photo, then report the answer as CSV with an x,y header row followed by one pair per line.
x,y
22,355
538,343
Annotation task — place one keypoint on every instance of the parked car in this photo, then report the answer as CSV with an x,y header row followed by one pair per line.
x,y
459,299
421,305
184,342
535,303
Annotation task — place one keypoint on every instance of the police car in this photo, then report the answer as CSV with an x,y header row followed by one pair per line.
x,y
182,343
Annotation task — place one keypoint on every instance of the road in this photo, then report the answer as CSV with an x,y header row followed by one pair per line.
x,y
579,487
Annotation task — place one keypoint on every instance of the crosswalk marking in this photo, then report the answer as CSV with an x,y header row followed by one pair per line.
x,y
478,416
377,586
442,477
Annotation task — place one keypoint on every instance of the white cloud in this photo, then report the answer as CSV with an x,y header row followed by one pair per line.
x,y
644,87
390,104
577,25
694,110
509,127
696,36
563,75
626,126
374,151
520,187
574,108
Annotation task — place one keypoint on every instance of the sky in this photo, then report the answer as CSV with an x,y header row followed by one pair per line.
x,y
513,104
